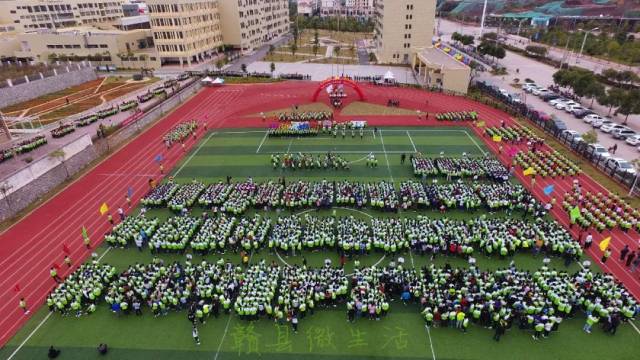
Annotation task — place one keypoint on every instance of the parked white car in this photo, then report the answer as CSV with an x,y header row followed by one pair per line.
x,y
599,150
600,123
573,134
563,104
633,140
529,87
589,119
573,108
539,91
610,127
504,92
555,102
622,165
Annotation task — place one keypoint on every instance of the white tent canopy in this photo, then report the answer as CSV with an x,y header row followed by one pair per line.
x,y
218,81
207,80
389,75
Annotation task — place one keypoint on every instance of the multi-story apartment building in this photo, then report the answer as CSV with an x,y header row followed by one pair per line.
x,y
404,34
355,8
308,7
186,31
400,25
25,15
123,49
249,24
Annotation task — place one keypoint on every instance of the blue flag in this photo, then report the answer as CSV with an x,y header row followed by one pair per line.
x,y
130,191
159,158
548,190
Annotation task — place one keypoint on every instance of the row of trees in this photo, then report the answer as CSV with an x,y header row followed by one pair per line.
x,y
618,46
462,39
348,24
585,84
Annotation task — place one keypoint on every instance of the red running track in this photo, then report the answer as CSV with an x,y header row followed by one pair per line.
x,y
34,244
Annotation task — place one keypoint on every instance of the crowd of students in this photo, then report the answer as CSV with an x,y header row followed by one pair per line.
x,y
180,132
306,116
347,235
457,116
236,198
464,166
537,302
303,161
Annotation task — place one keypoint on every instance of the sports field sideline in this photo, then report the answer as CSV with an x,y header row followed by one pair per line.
x,y
325,334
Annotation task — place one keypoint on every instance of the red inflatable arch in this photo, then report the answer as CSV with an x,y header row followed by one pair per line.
x,y
336,81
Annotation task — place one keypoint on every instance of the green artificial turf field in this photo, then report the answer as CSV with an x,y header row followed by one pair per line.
x,y
326,334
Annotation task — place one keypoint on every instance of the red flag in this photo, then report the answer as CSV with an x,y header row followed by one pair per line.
x,y
56,266
66,249
16,288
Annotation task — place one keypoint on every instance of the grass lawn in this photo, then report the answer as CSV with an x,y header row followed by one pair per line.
x,y
318,106
363,109
71,93
325,334
288,57
307,36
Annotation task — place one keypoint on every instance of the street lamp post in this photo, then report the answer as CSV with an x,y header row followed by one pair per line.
x,y
484,13
584,40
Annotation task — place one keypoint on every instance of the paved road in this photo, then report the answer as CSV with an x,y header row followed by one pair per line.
x,y
363,55
522,67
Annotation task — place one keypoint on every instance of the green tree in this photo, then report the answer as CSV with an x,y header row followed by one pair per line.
x,y
272,49
536,50
629,104
293,48
590,137
243,67
315,49
59,155
272,66
611,98
316,38
296,33
336,51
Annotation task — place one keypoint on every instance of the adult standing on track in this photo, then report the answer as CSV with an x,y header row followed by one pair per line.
x,y
624,252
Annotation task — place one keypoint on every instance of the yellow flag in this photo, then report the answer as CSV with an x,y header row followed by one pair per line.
x,y
481,124
604,244
528,171
497,138
104,208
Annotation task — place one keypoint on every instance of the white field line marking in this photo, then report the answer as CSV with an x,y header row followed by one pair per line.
x,y
475,143
634,326
262,142
412,144
226,328
289,147
362,158
30,335
129,175
193,154
433,353
344,152
45,319
386,157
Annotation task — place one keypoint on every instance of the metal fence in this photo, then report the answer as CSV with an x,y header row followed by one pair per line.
x,y
552,126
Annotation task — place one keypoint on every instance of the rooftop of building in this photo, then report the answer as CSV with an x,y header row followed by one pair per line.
x,y
437,57
85,30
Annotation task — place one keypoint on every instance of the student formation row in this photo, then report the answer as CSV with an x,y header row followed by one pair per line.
x,y
237,198
346,235
446,296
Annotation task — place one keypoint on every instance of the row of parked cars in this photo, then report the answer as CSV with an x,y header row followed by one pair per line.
x,y
570,106
596,152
